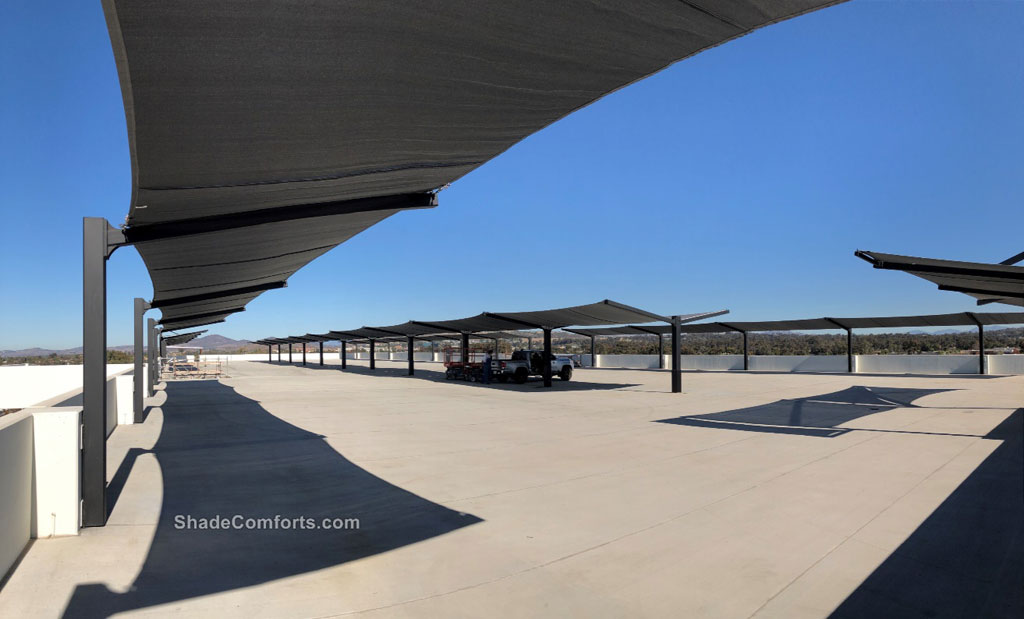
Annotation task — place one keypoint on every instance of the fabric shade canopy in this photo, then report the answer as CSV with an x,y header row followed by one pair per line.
x,y
989,283
821,324
262,136
181,338
495,325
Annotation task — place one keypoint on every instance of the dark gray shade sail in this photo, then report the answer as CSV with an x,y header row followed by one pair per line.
x,y
647,329
822,324
181,338
262,135
494,325
989,283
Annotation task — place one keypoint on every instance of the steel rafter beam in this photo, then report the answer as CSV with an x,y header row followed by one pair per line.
x,y
210,296
232,221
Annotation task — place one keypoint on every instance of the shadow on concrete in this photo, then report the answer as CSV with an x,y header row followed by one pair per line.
x,y
819,415
222,454
967,558
438,376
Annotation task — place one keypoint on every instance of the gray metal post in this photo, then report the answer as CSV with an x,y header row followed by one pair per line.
x,y
270,353
279,353
373,355
433,352
677,358
746,352
321,353
465,349
289,352
154,356
546,363
138,382
661,352
303,353
981,348
593,351
94,371
344,354
412,362
849,351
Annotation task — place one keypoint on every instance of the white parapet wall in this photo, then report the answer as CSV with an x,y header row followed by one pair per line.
x,y
22,386
56,448
798,363
15,486
1005,364
39,478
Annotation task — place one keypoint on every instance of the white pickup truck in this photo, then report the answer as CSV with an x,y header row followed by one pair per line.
x,y
527,363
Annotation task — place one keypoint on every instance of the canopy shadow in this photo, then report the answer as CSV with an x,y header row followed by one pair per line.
x,y
820,415
222,454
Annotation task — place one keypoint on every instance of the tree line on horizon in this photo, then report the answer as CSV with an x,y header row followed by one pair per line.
x,y
779,343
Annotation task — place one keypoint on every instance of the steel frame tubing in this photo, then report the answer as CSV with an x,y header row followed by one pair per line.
x,y
546,363
373,355
677,358
138,382
411,355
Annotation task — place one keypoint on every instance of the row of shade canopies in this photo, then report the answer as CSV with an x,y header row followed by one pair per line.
x,y
848,324
493,325
486,326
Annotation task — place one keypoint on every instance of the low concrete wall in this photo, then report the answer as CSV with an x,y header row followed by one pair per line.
x,y
798,363
56,471
1005,364
39,478
709,362
627,361
22,386
918,364
15,486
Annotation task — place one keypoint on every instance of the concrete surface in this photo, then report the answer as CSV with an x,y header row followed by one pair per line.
x,y
750,495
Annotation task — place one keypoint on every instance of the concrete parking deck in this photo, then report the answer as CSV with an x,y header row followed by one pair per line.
x,y
751,495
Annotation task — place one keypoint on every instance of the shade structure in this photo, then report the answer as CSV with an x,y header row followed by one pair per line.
x,y
646,329
821,324
181,338
261,136
988,283
604,312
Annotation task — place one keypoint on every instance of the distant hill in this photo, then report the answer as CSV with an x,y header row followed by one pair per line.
x,y
211,343
219,342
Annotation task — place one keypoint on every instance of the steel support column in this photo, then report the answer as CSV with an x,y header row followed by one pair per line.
x,y
746,352
321,353
138,380
412,362
593,351
270,353
464,354
344,354
289,352
981,349
94,371
661,352
303,353
373,356
546,363
279,353
677,358
849,351
154,356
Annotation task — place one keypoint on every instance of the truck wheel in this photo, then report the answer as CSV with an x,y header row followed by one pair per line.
x,y
520,376
566,372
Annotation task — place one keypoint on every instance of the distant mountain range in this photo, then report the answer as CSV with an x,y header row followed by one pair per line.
x,y
211,342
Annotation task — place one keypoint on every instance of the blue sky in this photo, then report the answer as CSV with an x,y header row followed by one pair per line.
x,y
743,178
